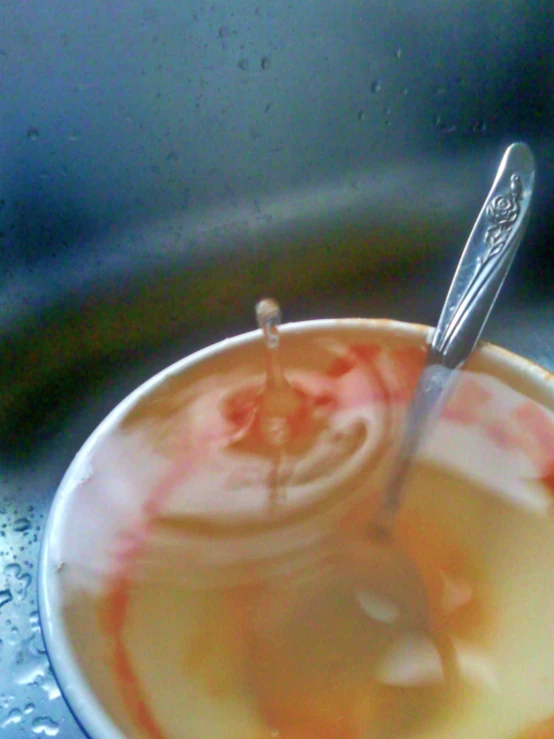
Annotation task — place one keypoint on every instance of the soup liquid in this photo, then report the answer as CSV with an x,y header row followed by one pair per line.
x,y
242,612
298,658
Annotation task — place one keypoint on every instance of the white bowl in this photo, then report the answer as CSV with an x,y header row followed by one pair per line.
x,y
87,514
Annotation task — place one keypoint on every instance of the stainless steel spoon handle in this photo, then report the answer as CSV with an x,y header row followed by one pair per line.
x,y
486,258
482,269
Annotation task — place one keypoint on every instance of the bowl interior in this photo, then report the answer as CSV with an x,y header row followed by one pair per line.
x,y
90,512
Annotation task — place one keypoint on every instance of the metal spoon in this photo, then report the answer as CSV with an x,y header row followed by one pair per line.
x,y
484,264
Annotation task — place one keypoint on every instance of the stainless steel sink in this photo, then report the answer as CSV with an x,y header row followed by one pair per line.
x,y
163,165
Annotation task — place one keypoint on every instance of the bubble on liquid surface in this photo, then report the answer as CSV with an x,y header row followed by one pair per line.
x,y
45,726
376,86
33,133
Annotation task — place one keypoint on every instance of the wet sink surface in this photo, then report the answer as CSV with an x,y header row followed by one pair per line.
x,y
154,186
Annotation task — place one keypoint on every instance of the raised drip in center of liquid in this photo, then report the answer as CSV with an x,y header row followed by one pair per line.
x,y
279,403
306,426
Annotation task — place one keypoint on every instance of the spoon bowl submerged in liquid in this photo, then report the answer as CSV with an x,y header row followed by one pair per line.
x,y
392,575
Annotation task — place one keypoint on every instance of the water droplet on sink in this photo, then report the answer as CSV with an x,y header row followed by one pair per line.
x,y
443,126
13,637
265,64
21,524
46,726
5,700
13,717
398,54
50,686
33,667
376,86
29,708
33,133
17,580
479,127
5,597
224,32
34,621
243,64
361,115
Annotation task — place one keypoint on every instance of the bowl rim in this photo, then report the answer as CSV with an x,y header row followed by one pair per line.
x,y
86,708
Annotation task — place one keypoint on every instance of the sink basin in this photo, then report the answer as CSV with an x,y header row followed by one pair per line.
x,y
163,166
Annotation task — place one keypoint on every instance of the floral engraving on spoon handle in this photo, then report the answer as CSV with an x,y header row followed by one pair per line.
x,y
486,260
503,212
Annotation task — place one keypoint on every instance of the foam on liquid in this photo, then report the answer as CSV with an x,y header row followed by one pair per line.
x,y
239,614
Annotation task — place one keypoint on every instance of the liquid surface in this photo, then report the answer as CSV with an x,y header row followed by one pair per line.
x,y
234,606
